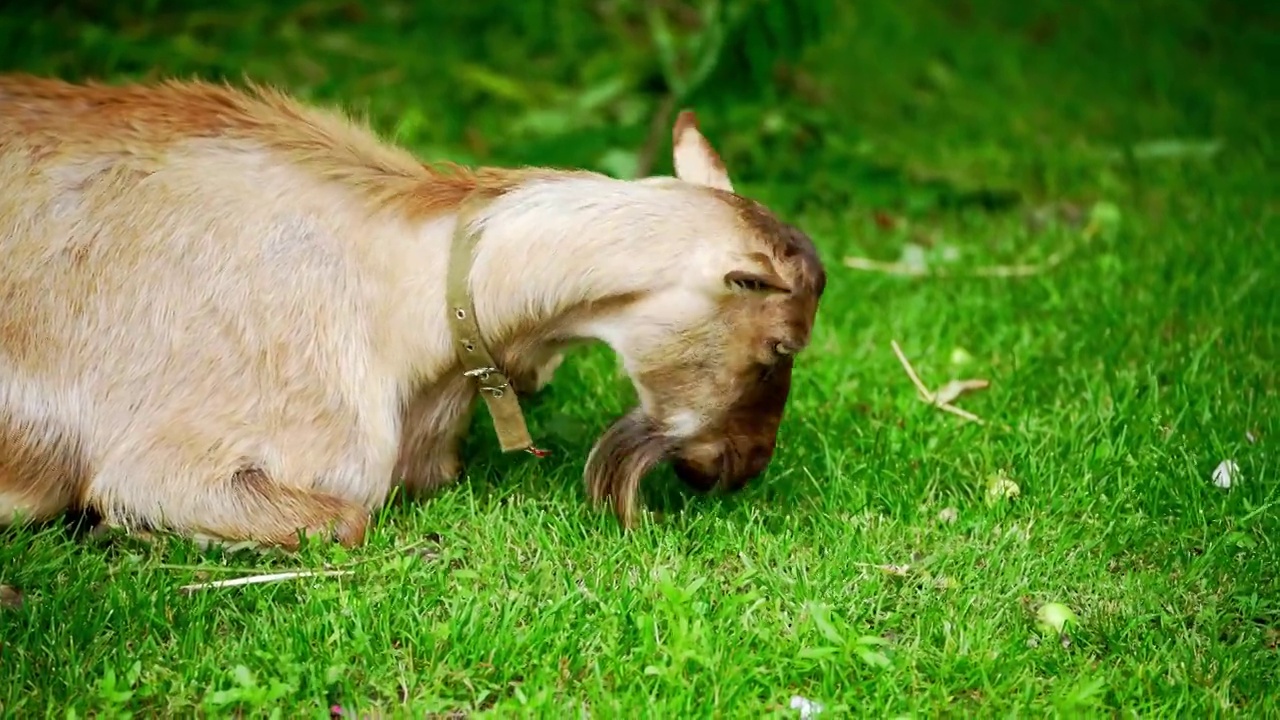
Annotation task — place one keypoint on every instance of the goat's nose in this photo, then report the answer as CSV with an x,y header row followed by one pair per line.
x,y
756,460
724,472
700,477
749,466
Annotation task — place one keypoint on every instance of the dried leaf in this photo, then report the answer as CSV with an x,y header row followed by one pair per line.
x,y
1000,487
948,515
10,597
929,396
895,570
948,393
1226,474
1053,618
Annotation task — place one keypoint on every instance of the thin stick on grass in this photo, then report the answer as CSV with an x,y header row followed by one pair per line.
x,y
929,396
280,576
259,579
911,373
992,271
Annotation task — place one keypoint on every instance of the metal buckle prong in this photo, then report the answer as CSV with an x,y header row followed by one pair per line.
x,y
481,373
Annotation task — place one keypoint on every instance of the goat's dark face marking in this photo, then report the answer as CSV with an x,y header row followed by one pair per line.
x,y
713,390
736,377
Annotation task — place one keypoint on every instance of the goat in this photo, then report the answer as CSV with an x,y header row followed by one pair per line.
x,y
230,315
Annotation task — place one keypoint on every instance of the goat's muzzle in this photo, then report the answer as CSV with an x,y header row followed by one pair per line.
x,y
738,449
729,470
724,457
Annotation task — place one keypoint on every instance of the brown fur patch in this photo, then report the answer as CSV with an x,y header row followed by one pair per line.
x,y
257,349
42,472
688,120
791,247
431,427
141,121
273,514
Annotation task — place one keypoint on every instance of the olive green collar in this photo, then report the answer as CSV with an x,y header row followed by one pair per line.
x,y
498,392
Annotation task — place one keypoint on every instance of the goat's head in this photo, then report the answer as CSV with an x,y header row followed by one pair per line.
x,y
712,360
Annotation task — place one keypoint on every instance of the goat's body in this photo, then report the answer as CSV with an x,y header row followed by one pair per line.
x,y
223,313
196,318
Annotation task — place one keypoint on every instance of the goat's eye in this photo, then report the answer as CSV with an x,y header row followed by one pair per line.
x,y
755,282
749,284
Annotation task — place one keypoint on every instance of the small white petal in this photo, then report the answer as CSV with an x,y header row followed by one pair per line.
x,y
1225,474
808,708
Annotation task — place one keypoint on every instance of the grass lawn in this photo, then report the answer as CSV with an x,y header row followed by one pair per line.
x,y
872,569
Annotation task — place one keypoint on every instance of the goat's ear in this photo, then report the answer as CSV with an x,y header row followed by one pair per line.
x,y
695,160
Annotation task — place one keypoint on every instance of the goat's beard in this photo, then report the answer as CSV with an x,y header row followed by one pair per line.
x,y
627,451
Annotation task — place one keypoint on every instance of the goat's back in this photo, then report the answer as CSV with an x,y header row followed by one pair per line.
x,y
177,277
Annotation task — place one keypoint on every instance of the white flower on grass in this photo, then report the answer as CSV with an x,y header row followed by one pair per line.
x,y
808,708
1226,473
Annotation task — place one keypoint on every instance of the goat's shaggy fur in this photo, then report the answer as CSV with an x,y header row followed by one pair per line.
x,y
222,313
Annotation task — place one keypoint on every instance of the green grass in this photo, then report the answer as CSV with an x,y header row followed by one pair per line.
x,y
1119,380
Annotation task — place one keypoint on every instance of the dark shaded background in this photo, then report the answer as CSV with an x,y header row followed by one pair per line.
x,y
811,101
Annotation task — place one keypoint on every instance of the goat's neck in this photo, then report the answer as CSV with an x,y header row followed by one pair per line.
x,y
557,261
582,259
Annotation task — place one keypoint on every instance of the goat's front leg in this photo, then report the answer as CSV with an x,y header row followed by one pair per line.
x,y
431,431
533,382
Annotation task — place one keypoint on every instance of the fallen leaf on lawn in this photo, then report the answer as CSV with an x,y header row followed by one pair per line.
x,y
931,397
948,393
1225,474
1053,618
1104,218
895,570
948,515
913,256
1000,487
1068,213
884,220
912,266
10,597
808,708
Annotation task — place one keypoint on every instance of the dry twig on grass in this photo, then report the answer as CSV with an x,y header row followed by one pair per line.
x,y
996,271
943,398
258,579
